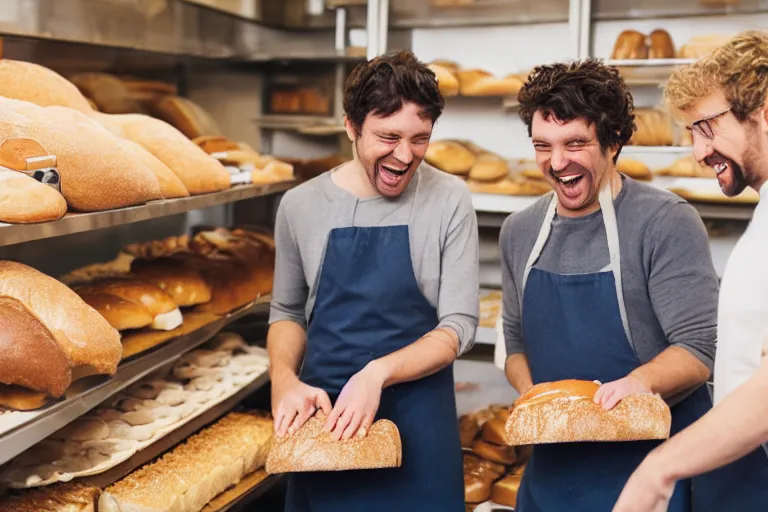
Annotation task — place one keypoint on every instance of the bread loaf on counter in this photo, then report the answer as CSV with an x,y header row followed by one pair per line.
x,y
565,411
199,172
39,85
311,448
50,310
68,497
195,472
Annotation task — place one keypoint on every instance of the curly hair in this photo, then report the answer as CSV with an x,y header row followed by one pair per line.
x,y
382,85
739,68
586,89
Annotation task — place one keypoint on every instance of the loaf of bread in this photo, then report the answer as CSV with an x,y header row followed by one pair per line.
x,y
147,91
478,82
108,92
500,454
447,82
185,115
68,497
195,472
479,476
97,171
504,492
661,46
199,172
311,448
274,172
131,294
630,45
39,309
450,156
184,286
687,167
654,128
634,169
515,185
25,200
489,167
39,85
565,411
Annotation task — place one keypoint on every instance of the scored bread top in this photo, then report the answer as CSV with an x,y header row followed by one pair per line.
x,y
83,334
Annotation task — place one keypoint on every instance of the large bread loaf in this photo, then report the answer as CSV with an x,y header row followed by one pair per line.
x,y
39,85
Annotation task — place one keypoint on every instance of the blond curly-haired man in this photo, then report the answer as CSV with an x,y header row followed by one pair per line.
x,y
723,100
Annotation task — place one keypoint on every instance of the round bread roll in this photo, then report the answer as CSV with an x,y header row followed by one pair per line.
x,y
450,156
489,167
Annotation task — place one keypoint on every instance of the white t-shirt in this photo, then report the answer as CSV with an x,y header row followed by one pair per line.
x,y
742,330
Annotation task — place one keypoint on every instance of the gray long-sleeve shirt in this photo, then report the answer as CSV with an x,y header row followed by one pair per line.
x,y
442,223
670,284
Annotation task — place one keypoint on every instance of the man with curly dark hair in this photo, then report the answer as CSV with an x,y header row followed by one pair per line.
x,y
375,296
605,279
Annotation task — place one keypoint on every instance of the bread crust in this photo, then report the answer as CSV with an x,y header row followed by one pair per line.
x,y
25,200
565,411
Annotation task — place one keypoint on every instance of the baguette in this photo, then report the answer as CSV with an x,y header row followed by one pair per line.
x,y
565,411
39,85
195,472
311,448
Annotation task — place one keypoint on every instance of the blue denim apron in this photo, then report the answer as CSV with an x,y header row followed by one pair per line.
x,y
575,327
370,305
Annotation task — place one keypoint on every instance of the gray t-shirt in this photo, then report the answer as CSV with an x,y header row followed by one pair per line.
x,y
437,208
670,284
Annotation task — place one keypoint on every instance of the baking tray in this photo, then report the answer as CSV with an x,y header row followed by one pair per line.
x,y
20,430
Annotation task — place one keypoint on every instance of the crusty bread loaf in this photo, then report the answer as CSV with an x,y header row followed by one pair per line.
x,y
171,186
274,172
16,398
311,448
450,156
469,427
24,200
97,171
654,128
515,185
478,82
687,167
68,497
565,411
661,46
195,472
26,347
121,314
163,310
186,287
630,44
499,454
108,92
494,430
489,167
199,172
479,475
504,492
39,85
185,115
87,339
634,169
447,82
146,91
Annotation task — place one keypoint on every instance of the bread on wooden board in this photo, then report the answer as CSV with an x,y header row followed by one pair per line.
x,y
185,286
30,356
163,311
565,411
311,448
67,497
200,173
39,85
196,471
97,171
89,342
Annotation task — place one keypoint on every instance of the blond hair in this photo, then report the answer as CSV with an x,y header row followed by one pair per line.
x,y
739,68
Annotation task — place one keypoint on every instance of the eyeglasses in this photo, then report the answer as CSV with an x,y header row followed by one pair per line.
x,y
704,126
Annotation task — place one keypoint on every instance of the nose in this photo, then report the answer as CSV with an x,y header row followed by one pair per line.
x,y
403,152
558,161
702,147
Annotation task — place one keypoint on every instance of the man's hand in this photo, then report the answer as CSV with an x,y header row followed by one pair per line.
x,y
357,404
647,490
610,394
294,402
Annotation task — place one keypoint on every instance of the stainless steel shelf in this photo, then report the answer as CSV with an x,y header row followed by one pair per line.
x,y
603,10
29,428
11,234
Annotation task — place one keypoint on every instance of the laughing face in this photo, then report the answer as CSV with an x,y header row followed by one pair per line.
x,y
732,148
390,149
570,156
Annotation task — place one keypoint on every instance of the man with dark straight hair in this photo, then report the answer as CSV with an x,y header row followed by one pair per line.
x,y
375,296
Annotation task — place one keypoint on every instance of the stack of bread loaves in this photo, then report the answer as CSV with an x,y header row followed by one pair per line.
x,y
485,171
493,468
263,169
49,337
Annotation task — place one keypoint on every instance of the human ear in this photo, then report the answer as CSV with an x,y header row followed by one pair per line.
x,y
350,129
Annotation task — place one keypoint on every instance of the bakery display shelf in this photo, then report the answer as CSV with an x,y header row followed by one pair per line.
x,y
248,490
656,150
175,437
302,123
648,63
11,234
20,430
608,10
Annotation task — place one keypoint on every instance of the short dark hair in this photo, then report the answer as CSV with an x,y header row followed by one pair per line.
x,y
382,85
586,89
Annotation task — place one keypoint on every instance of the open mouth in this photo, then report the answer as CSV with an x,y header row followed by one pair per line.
x,y
570,181
394,171
719,163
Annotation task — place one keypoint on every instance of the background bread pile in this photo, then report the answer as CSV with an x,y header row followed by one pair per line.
x,y
493,468
49,337
452,80
654,128
485,172
632,44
